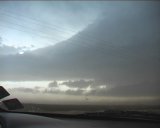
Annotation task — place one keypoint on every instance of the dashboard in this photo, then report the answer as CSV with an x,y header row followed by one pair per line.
x,y
18,120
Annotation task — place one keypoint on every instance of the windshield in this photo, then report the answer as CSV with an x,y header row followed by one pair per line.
x,y
82,56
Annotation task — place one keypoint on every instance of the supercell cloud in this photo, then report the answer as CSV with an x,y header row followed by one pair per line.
x,y
120,48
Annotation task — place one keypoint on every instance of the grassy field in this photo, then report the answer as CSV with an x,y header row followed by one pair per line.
x,y
71,109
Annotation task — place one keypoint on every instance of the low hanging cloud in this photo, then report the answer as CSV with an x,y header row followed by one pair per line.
x,y
24,90
78,83
134,90
84,83
8,50
142,90
53,84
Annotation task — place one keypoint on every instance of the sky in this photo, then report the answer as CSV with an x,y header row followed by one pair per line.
x,y
37,24
80,52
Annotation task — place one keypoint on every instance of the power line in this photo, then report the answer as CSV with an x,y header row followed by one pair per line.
x,y
84,45
31,31
87,41
35,21
57,29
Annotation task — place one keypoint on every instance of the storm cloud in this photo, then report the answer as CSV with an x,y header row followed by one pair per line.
x,y
121,48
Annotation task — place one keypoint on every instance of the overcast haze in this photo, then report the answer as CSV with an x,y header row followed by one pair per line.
x,y
106,49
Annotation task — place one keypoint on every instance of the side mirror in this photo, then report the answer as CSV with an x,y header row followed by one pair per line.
x,y
13,104
3,92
